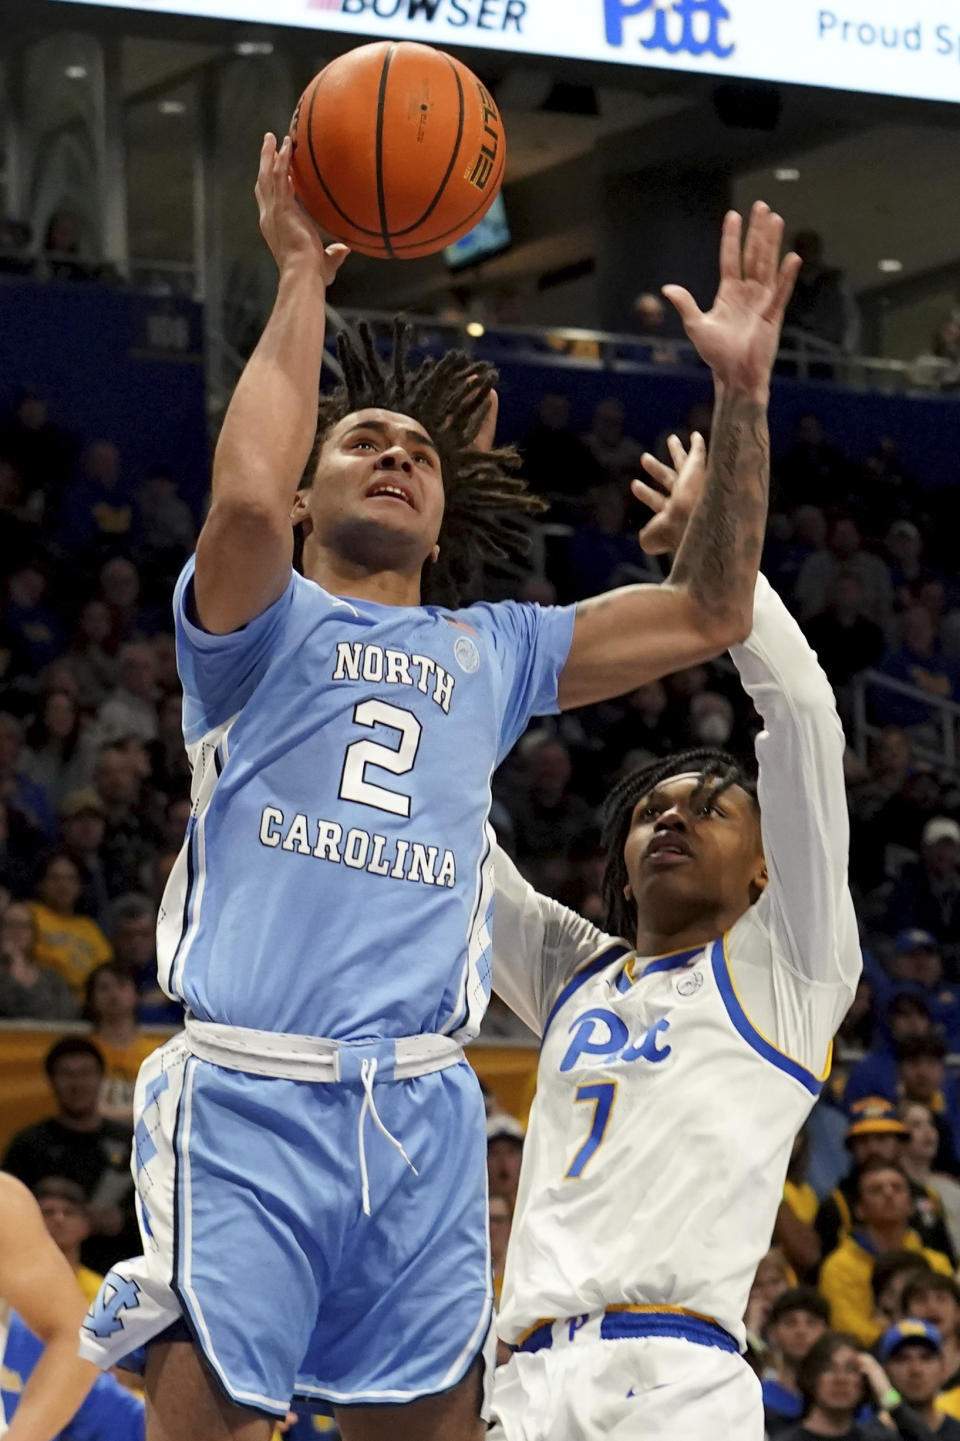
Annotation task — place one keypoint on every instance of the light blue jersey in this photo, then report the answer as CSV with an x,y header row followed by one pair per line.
x,y
336,875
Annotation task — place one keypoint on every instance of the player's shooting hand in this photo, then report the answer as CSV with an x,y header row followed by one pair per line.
x,y
679,490
284,224
740,335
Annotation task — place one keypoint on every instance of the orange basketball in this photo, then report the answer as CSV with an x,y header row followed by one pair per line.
x,y
398,149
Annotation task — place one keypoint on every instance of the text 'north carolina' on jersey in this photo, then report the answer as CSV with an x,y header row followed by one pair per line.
x,y
670,1089
335,879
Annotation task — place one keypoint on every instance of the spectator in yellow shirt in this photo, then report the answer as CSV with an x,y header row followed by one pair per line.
x,y
72,945
111,1009
794,1230
63,1207
881,1225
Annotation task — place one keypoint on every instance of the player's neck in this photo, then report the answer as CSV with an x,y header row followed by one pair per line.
x,y
355,582
118,1033
655,939
931,1414
887,1238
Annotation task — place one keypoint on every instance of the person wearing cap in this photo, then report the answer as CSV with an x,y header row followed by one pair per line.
x,y
922,1076
911,1354
927,895
936,1299
798,1318
905,1014
83,826
881,1224
876,1133
504,1154
916,969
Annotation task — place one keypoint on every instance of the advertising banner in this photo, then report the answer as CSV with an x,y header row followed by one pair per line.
x,y
889,47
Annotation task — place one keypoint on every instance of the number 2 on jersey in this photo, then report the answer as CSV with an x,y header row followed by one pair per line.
x,y
602,1094
398,760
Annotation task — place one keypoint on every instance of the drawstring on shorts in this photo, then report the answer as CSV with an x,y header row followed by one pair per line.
x,y
368,1074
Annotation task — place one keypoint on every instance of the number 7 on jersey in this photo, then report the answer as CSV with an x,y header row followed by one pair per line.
x,y
602,1094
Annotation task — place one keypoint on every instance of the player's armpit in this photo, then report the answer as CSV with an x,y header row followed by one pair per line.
x,y
538,944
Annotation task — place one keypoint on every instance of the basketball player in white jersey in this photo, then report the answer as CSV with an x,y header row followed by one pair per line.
x,y
37,1283
676,1068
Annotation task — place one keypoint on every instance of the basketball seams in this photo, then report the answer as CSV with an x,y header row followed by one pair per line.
x,y
381,189
407,230
383,243
360,229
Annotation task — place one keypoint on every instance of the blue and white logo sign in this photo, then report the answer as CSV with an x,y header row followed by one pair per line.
x,y
881,46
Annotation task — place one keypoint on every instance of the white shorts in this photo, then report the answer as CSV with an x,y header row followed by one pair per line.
x,y
650,1389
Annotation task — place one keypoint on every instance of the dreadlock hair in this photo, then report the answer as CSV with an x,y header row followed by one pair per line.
x,y
717,770
486,501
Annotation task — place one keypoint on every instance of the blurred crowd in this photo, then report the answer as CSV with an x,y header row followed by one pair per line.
x,y
95,802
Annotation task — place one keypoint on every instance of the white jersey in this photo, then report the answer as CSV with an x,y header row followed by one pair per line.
x,y
670,1088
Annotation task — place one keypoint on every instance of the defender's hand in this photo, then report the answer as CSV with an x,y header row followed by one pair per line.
x,y
740,335
672,505
284,224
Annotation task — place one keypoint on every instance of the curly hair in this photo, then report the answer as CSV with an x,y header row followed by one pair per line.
x,y
485,501
712,765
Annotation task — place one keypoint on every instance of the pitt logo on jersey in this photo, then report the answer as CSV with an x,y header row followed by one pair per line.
x,y
603,1033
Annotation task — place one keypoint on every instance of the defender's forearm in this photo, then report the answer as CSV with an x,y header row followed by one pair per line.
x,y
271,421
56,1387
719,557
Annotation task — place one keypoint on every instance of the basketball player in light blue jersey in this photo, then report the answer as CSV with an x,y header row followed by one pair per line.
x,y
310,1153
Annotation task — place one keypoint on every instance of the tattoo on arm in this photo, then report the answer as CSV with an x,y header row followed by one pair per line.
x,y
719,556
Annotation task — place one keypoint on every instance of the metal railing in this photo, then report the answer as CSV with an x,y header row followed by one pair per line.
x,y
944,716
574,347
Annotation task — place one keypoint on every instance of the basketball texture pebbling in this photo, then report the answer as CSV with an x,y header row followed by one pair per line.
x,y
398,149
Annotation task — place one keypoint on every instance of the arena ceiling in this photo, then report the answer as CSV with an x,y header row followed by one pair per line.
x,y
878,178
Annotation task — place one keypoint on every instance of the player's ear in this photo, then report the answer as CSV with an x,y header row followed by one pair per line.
x,y
435,555
300,513
759,882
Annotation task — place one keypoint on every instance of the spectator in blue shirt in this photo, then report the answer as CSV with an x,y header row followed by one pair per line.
x,y
927,897
798,1318
917,661
109,1413
906,1014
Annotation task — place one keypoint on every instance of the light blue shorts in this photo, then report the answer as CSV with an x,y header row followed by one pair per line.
x,y
250,1202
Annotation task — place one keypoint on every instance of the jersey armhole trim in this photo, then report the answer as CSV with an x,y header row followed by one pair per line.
x,y
760,1043
606,957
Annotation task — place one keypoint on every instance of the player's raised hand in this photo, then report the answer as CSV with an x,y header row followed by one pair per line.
x,y
284,224
672,504
740,335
